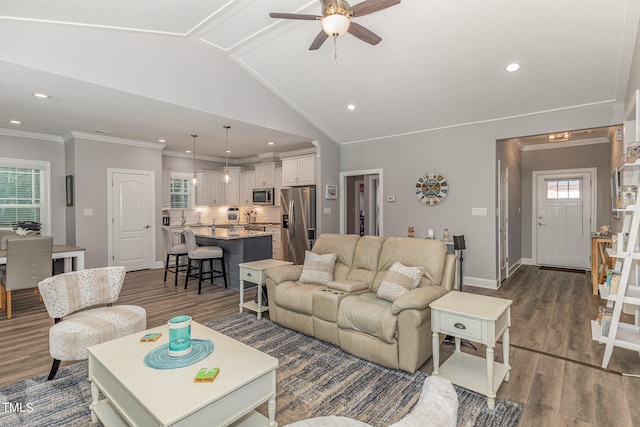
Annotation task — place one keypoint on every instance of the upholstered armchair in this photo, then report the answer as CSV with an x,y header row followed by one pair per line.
x,y
28,262
71,298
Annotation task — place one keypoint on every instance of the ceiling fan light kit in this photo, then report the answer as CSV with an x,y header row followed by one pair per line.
x,y
336,20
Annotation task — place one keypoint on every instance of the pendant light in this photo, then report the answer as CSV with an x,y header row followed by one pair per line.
x,y
194,179
227,177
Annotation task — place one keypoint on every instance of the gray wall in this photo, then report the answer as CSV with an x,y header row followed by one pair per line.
x,y
43,150
586,156
466,156
92,159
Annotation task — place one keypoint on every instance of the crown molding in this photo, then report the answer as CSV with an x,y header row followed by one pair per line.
x,y
31,135
300,152
566,144
115,140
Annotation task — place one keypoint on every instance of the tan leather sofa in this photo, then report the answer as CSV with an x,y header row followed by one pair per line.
x,y
348,313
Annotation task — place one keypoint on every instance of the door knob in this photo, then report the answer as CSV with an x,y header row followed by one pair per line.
x,y
147,226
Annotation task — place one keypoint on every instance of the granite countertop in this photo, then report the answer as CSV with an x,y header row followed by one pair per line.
x,y
223,234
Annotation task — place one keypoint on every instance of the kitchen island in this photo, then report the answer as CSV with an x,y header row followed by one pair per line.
x,y
241,246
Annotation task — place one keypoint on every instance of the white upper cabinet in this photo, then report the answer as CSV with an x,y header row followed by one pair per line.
x,y
265,175
232,189
298,171
247,184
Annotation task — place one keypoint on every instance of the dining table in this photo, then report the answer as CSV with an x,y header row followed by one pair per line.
x,y
73,256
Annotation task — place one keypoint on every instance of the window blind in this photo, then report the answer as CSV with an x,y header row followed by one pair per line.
x,y
24,193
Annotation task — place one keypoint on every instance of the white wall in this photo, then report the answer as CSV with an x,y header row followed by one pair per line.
x,y
466,156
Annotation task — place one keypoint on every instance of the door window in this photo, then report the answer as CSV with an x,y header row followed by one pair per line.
x,y
564,189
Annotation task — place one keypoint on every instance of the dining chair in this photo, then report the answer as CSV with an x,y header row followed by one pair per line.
x,y
200,254
28,262
75,301
176,249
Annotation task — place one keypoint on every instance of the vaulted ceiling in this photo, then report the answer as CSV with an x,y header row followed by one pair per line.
x,y
439,64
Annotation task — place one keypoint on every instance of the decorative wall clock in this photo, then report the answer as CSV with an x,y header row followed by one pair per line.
x,y
431,189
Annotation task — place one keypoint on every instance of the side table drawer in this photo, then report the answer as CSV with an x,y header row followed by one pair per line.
x,y
251,275
461,326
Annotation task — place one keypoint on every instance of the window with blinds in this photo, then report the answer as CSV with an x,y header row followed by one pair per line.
x,y
179,193
24,193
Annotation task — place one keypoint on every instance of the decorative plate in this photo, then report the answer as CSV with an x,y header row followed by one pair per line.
x,y
159,358
431,189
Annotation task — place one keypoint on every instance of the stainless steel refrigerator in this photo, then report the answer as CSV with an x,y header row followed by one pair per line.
x,y
298,207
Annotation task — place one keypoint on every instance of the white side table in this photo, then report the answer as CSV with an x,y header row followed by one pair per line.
x,y
254,272
476,318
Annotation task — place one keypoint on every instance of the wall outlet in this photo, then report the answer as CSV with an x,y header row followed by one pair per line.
x,y
88,212
327,211
391,198
479,211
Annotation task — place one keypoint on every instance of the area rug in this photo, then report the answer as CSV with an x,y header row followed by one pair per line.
x,y
314,378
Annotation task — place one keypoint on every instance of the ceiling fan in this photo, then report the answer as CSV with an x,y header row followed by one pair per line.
x,y
336,19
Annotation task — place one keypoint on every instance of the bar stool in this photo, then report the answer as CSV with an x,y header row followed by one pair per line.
x,y
200,254
176,249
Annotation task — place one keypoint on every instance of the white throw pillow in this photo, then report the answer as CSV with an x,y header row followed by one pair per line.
x,y
398,281
318,269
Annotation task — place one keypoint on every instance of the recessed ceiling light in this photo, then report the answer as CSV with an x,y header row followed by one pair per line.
x,y
271,143
162,140
15,122
351,107
187,151
41,95
227,151
513,67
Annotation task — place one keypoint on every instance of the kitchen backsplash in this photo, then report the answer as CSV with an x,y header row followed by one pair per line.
x,y
205,215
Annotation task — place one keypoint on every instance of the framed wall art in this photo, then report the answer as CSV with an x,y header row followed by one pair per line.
x,y
331,192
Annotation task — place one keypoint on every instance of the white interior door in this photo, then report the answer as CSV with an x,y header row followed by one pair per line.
x,y
503,221
563,220
132,198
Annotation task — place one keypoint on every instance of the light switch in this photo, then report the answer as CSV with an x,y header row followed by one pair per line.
x,y
88,212
327,211
479,211
391,198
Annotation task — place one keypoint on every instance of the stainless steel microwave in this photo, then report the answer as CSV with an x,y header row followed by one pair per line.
x,y
263,196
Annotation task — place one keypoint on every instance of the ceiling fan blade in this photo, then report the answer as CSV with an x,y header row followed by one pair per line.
x,y
294,16
317,42
370,6
364,34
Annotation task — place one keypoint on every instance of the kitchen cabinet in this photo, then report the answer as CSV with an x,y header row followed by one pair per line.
x,y
210,189
277,186
298,171
166,187
247,184
232,189
265,175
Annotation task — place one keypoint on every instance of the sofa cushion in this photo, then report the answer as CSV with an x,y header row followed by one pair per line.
x,y
398,281
295,296
425,253
318,269
368,314
343,245
365,259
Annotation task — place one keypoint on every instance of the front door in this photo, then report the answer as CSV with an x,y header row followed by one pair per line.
x,y
563,220
132,200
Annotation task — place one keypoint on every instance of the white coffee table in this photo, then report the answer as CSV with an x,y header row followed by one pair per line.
x,y
477,318
142,396
253,272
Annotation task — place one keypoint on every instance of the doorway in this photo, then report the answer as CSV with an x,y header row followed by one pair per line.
x,y
131,216
503,221
360,202
563,208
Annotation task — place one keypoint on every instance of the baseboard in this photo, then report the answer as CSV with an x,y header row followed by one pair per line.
x,y
528,261
479,282
515,267
158,264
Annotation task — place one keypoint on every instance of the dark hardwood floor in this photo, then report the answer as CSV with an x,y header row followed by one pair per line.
x,y
555,365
